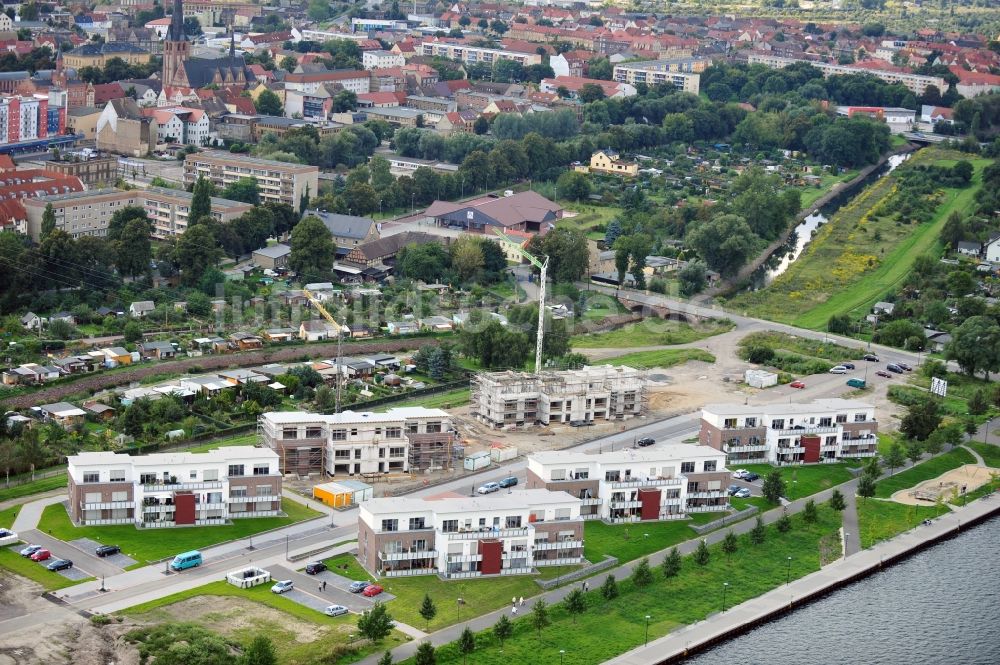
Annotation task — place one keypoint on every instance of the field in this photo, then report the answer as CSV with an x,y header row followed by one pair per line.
x,y
445,400
8,516
801,481
854,259
633,541
881,520
810,194
661,358
152,545
695,593
34,487
931,468
301,636
651,332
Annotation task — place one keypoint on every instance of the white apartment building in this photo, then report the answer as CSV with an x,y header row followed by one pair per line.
x,y
279,182
472,55
359,442
508,533
174,489
681,73
825,430
517,399
667,481
381,59
916,83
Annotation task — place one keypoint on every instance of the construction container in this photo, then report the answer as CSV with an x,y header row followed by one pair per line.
x,y
500,452
343,493
477,461
758,378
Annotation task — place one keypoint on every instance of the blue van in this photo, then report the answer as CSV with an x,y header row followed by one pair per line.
x,y
186,560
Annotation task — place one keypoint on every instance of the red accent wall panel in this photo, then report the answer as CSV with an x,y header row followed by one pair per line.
x,y
811,445
184,508
492,551
43,118
650,504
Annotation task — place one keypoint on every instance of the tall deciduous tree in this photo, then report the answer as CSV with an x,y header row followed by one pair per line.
x,y
375,623
268,102
245,189
48,220
201,201
313,250
132,249
195,253
895,457
725,243
921,419
975,345
567,251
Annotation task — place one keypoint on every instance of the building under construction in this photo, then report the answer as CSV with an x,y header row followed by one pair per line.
x,y
517,399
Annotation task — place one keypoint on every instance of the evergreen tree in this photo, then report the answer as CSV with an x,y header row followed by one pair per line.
x,y
466,644
428,610
576,603
671,565
386,659
425,654
642,576
809,513
612,232
837,501
702,555
201,201
784,523
758,533
610,588
503,629
730,544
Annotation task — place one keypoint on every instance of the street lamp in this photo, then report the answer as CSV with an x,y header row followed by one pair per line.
x,y
647,630
725,588
562,654
788,571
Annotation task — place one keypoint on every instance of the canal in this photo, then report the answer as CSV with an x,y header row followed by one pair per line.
x,y
939,607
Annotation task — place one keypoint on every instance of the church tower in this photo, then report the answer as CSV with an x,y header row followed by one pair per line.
x,y
175,49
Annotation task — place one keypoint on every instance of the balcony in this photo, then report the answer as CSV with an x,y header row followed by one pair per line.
x,y
409,572
790,450
709,494
107,505
489,533
209,506
177,487
560,561
706,509
559,545
625,504
812,429
629,483
158,508
408,556
464,558
744,448
593,501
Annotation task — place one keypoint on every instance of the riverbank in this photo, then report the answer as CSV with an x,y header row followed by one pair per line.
x,y
676,646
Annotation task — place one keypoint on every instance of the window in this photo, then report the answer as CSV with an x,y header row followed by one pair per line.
x,y
117,476
147,478
354,431
612,476
562,513
411,428
261,469
710,466
235,470
860,417
449,526
119,496
558,474
393,432
381,453
778,423
419,546
482,522
692,487
390,525
192,475
841,418
210,475
92,477
513,522
314,432
417,523
289,433
342,454
264,490
433,427
825,422
750,422
338,435
687,467
238,490
357,454
581,474
397,451
729,423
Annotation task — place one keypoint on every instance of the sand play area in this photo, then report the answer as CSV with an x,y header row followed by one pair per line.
x,y
947,485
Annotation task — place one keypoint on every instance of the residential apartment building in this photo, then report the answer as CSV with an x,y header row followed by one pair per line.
x,y
472,55
825,430
359,442
517,399
682,73
457,537
279,182
174,489
356,81
27,118
89,166
668,481
168,209
916,83
381,59
177,124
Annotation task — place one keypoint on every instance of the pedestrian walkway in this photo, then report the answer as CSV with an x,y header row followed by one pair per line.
x,y
31,513
979,458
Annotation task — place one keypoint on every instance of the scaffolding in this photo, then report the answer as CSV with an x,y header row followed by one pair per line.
x,y
431,451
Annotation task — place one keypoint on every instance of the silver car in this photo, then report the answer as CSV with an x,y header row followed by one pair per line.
x,y
334,610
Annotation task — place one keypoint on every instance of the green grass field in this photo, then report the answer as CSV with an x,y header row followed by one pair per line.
x,y
633,541
150,545
241,440
34,487
827,182
8,516
608,628
25,567
926,470
881,520
651,332
661,358
801,481
445,400
989,452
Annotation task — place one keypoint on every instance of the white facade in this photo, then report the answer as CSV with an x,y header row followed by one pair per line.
x,y
474,54
381,59
916,83
993,250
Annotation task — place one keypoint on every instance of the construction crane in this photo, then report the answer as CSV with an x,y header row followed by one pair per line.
x,y
543,266
340,339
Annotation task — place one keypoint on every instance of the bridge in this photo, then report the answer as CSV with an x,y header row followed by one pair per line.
x,y
923,137
647,305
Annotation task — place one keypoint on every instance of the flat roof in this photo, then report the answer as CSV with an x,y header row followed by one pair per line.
x,y
666,452
513,500
831,404
223,454
399,413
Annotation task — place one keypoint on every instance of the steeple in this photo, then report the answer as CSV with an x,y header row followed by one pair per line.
x,y
232,45
176,31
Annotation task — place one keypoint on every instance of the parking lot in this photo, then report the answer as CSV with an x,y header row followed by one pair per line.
x,y
88,545
73,573
336,592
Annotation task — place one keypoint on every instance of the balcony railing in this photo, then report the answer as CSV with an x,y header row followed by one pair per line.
x,y
409,572
786,450
408,556
646,482
705,509
489,533
807,430
744,448
559,545
173,487
255,513
593,501
107,505
464,558
707,494
625,504
560,561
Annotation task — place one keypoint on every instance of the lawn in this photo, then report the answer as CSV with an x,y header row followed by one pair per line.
x,y
333,635
354,570
240,440
25,567
34,487
989,453
633,541
609,628
445,400
881,520
8,516
661,358
810,194
931,468
763,505
651,332
804,480
146,546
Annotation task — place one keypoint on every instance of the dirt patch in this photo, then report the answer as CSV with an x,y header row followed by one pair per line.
x,y
947,486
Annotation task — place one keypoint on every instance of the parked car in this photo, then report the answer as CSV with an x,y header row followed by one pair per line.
x,y
60,564
892,367
871,357
884,374
315,567
488,488
742,493
282,586
107,550
358,587
750,477
645,441
334,610
30,549
739,473
856,383
905,367
797,384
509,481
372,590
41,554
6,532
838,369
848,365
733,489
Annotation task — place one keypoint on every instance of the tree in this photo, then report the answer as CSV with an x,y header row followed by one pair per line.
x,y
573,185
922,418
132,249
428,610
671,566
481,126
837,501
132,332
839,324
866,486
201,201
268,102
576,603
244,189
784,522
895,457
725,243
975,345
313,250
567,251
642,576
386,659
467,257
590,92
425,654
809,512
702,555
693,277
503,629
730,544
758,533
375,623
48,220
914,451
195,253
260,652
466,644
774,487
610,588
121,218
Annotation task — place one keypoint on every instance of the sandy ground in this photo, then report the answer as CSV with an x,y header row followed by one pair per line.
x,y
971,476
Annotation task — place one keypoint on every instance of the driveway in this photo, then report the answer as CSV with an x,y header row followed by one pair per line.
x,y
81,558
336,592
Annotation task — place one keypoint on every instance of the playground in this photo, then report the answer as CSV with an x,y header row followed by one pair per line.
x,y
947,486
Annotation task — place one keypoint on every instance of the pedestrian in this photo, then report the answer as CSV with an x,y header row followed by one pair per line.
x,y
521,603
324,585
513,601
513,611
321,587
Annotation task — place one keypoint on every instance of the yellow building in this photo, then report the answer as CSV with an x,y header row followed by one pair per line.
x,y
343,493
98,55
607,161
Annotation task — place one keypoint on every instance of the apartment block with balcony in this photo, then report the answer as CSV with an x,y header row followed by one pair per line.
x,y
174,489
471,55
915,83
279,182
463,537
666,482
825,430
681,73
360,443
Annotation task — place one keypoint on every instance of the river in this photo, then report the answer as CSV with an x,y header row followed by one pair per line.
x,y
785,255
939,607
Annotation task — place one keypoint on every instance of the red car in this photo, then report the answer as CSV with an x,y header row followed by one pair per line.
x,y
372,590
797,384
883,374
41,555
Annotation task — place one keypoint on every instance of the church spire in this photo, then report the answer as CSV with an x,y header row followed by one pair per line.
x,y
176,31
232,45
